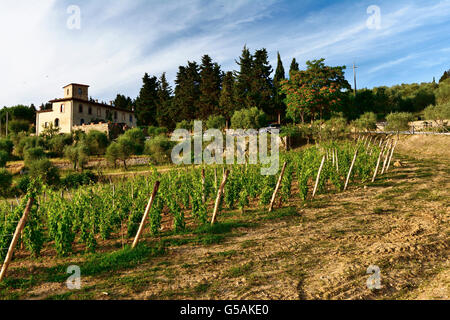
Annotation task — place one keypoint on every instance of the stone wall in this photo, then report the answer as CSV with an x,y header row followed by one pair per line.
x,y
102,127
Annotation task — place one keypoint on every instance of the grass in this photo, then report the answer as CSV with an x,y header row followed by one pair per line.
x,y
241,270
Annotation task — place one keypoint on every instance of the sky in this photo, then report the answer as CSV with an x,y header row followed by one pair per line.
x,y
110,44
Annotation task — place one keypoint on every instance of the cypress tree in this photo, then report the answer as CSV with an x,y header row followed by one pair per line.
x,y
210,81
280,75
146,101
164,110
226,101
243,77
261,85
187,92
445,76
294,67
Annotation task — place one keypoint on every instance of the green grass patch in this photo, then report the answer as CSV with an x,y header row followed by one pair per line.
x,y
239,271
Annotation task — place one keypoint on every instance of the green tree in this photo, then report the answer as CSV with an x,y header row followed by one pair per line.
x,y
187,92
279,97
294,67
4,157
399,121
261,83
366,122
146,101
226,101
45,170
97,142
5,182
136,139
120,151
164,111
210,82
123,102
59,142
243,83
77,154
216,122
439,114
251,118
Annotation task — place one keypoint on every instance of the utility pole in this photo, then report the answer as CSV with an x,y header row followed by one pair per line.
x,y
354,77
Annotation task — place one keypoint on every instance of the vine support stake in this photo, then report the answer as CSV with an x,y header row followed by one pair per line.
x,y
15,238
280,179
378,165
388,149
219,195
318,177
147,211
350,170
337,160
392,154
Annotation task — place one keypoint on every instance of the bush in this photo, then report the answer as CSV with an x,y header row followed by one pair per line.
x,y
184,124
59,142
159,149
252,118
399,121
335,129
26,142
5,182
45,170
74,180
120,150
3,158
97,142
156,131
23,184
438,113
6,145
367,122
137,140
32,154
78,155
216,122
17,126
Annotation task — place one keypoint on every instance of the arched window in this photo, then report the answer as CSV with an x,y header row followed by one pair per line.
x,y
82,121
57,123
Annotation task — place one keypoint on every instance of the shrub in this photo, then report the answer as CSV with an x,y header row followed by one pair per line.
x,y
156,131
159,149
120,150
6,145
334,129
184,124
399,121
252,118
366,122
216,122
17,126
32,154
136,138
438,113
45,170
97,142
78,155
23,184
59,142
26,142
74,180
5,182
3,158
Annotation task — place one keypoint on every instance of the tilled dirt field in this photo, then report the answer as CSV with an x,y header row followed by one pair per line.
x,y
321,250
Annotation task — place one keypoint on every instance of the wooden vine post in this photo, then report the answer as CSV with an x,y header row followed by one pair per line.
x,y
388,149
15,238
147,211
337,161
392,154
203,185
280,179
378,165
318,177
219,195
350,170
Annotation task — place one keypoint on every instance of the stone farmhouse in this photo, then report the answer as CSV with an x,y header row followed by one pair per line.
x,y
77,112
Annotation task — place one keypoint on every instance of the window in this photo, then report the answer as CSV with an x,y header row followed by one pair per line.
x,y
68,91
90,110
131,118
115,115
80,91
46,125
80,108
57,123
99,112
82,121
61,108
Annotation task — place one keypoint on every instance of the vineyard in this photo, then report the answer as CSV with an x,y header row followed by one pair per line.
x,y
82,218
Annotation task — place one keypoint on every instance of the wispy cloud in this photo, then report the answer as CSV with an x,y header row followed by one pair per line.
x,y
121,40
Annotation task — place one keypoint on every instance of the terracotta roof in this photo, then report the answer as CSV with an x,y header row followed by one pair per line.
x,y
92,103
76,84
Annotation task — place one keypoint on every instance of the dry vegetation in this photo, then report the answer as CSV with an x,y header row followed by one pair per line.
x,y
315,250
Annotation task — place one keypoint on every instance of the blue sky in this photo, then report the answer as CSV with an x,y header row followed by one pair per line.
x,y
118,41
